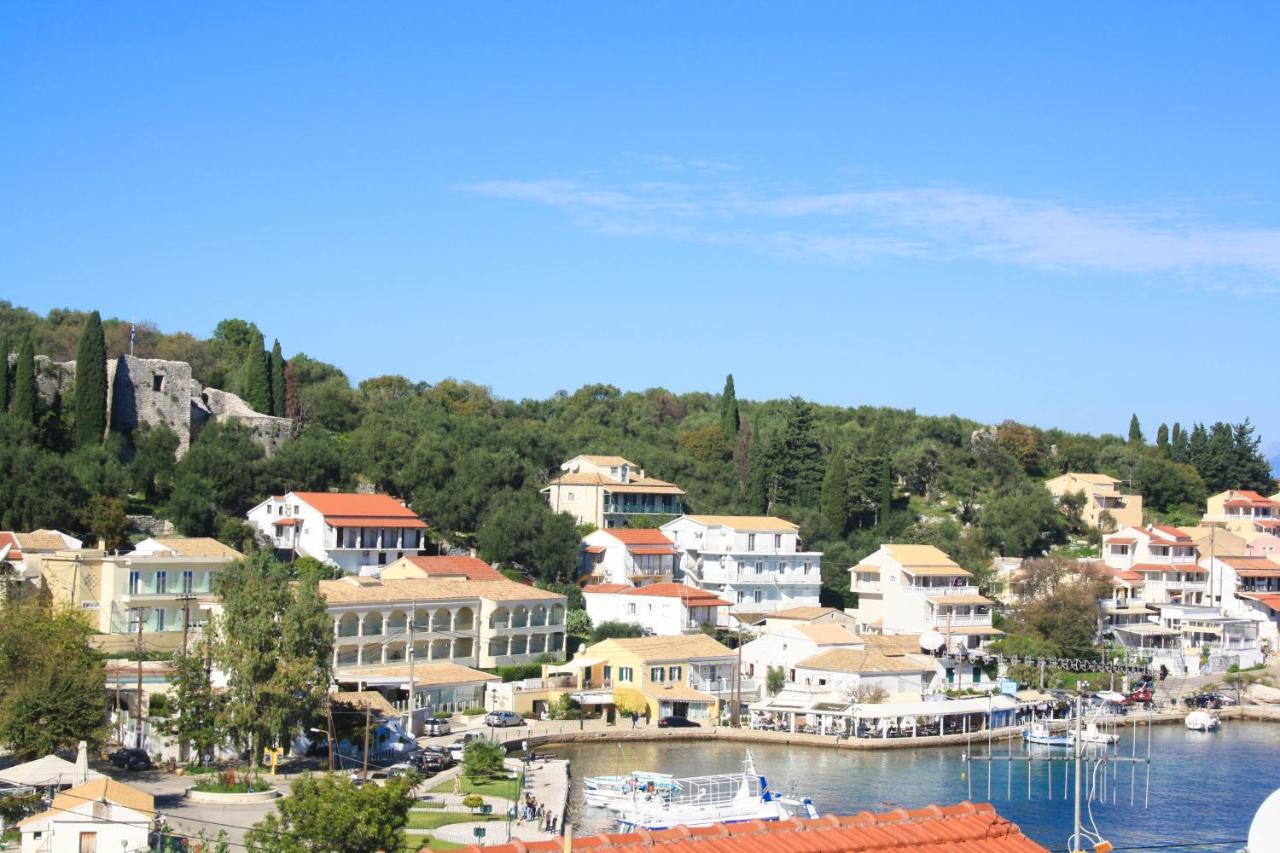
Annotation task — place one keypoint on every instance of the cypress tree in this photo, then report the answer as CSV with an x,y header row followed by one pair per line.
x,y
292,409
24,384
277,380
1178,444
91,383
257,377
835,494
4,376
1162,439
1135,430
730,421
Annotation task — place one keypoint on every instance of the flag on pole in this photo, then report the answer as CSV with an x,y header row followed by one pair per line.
x,y
133,336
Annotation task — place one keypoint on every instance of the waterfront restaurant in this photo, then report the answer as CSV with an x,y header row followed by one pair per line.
x,y
797,710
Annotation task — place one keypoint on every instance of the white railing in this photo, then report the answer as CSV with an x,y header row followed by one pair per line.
x,y
723,685
940,621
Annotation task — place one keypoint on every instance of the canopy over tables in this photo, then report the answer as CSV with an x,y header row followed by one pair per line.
x,y
50,771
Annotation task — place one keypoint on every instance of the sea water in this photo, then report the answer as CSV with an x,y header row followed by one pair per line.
x,y
1204,787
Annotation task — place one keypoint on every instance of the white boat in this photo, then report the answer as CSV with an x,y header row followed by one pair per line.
x,y
613,792
705,800
1092,734
1039,733
1202,721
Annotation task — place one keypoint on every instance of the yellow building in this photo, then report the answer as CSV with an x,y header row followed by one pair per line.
x,y
1238,511
1102,494
607,490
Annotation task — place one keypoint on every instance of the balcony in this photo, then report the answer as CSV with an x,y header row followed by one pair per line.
x,y
724,685
670,507
958,620
941,591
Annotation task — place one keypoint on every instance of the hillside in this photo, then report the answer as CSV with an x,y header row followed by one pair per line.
x,y
472,464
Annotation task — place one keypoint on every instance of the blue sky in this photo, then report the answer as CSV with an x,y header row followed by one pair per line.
x,y
1060,214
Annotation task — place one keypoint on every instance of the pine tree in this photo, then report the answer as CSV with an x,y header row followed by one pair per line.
x,y
24,384
1135,431
91,384
256,380
1197,446
1162,439
835,494
1178,444
730,420
277,380
799,458
4,376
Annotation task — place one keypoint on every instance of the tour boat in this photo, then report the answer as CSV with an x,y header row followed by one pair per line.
x,y
1039,733
705,800
613,792
1202,721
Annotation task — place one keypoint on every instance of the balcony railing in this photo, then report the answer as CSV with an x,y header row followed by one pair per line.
x,y
940,591
723,685
941,620
630,508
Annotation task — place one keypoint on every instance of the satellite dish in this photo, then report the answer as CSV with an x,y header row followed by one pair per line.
x,y
1266,824
932,641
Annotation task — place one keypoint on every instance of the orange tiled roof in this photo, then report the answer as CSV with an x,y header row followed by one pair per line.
x,y
639,536
1172,532
348,509
962,828
473,568
607,587
1171,567
15,551
691,596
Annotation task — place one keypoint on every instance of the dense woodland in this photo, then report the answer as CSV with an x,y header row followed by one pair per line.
x,y
471,464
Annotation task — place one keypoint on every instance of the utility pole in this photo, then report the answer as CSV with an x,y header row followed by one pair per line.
x,y
141,613
183,752
328,714
364,770
413,619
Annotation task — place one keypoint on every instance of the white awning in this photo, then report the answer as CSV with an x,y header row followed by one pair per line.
x,y
935,709
48,771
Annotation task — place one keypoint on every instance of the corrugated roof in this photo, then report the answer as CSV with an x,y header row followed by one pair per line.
x,y
748,523
961,828
676,693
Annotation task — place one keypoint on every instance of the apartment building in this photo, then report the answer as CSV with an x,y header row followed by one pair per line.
x,y
358,533
1102,494
483,623
914,589
789,643
754,562
623,555
662,609
1166,559
1239,511
608,490
162,584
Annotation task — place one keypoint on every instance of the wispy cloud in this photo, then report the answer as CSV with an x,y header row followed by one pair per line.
x,y
857,225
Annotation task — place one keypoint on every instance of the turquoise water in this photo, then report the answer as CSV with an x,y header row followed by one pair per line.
x,y
1203,788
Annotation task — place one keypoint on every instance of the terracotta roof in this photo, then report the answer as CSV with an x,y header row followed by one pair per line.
x,y
691,596
803,614
200,546
606,460
343,509
40,540
977,631
1120,540
424,674
639,536
1096,479
15,550
1269,600
676,693
1171,531
595,549
1246,498
359,590
747,523
892,644
104,789
472,568
866,568
962,828
286,522
960,599
657,550
1239,563
605,588
867,660
635,484
1191,568
662,648
828,634
1267,523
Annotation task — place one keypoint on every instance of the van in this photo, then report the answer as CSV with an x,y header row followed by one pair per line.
x,y
436,726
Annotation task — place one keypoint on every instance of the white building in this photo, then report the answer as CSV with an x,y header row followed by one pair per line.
x,y
1165,557
1248,588
910,589
101,816
358,533
662,609
786,644
607,490
629,556
754,562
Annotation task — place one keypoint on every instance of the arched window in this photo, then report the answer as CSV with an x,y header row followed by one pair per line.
x,y
500,618
464,619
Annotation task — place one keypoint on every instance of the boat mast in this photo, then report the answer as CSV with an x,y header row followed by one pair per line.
x,y
1079,745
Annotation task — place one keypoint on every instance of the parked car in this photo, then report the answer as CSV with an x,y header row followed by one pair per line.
x,y
1209,700
435,726
434,759
501,719
677,723
131,759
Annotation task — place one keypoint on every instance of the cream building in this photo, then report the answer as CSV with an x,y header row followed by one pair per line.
x,y
1102,494
623,555
1239,511
607,490
1165,558
483,623
160,583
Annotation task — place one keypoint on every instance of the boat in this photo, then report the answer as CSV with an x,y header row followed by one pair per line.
x,y
1092,734
612,792
696,801
1039,733
1202,721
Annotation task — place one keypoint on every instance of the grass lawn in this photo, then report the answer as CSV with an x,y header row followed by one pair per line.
x,y
506,788
413,843
432,820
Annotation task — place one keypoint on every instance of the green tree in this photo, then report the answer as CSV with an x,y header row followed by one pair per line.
x,y
482,759
1023,523
25,397
227,457
1162,439
6,375
312,461
277,380
51,680
190,506
835,495
275,642
104,517
577,623
310,570
195,720
256,382
1178,449
328,814
775,679
91,384
730,420
800,459
1135,431
610,630
154,459
520,530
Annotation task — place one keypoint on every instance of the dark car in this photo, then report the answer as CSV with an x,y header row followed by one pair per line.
x,y
131,759
1212,701
678,723
433,759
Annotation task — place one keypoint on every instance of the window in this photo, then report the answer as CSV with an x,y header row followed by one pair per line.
x,y
807,566
742,595
188,581
162,582
157,382
88,842
673,673
631,608
777,541
571,496
159,620
624,673
759,567
655,673
757,596
751,541
135,582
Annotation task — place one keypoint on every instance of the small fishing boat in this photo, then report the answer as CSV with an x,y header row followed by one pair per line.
x,y
1092,734
705,800
612,792
1039,733
1202,721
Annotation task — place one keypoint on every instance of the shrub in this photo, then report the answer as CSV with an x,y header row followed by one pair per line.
x,y
472,712
473,801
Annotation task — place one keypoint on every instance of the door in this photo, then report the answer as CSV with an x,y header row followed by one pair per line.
x,y
88,842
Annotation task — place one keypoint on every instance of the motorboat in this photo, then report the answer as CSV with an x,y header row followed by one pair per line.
x,y
613,792
705,800
1092,734
1202,721
1040,733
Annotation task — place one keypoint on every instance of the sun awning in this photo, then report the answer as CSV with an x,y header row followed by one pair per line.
x,y
934,709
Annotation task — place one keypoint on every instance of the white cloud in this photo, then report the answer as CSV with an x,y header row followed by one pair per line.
x,y
858,225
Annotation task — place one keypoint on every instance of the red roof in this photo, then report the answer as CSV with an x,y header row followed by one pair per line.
x,y
1267,523
1171,567
1172,532
607,587
691,596
1271,601
7,538
286,522
962,828
347,509
639,536
471,568
651,549
1119,540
